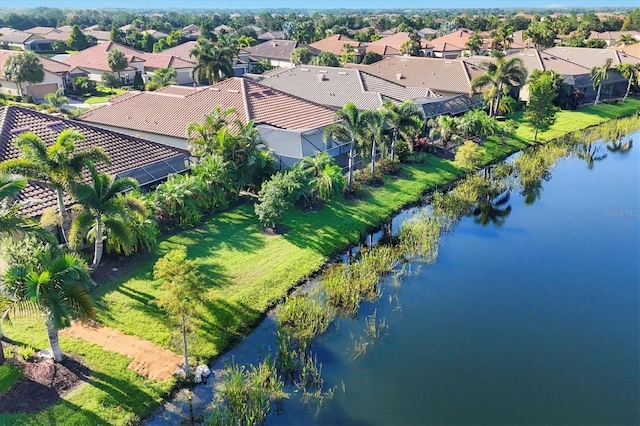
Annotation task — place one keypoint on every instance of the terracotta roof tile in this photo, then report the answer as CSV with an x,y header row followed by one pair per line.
x,y
48,64
335,44
278,49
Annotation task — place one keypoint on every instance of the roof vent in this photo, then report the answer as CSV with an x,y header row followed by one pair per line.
x,y
233,91
20,130
55,123
304,69
215,89
275,44
399,76
321,77
323,71
342,72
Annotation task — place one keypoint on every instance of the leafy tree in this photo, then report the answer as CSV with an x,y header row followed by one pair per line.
x,y
111,80
84,85
540,33
175,38
275,198
406,121
77,40
469,155
116,35
599,75
349,126
102,210
58,165
147,42
24,67
348,55
632,21
182,291
56,287
501,74
56,99
371,58
214,62
301,55
595,43
326,59
543,91
117,61
411,47
59,46
631,73
138,82
446,128
164,76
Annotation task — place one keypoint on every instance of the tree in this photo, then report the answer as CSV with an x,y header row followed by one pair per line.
x,y
262,65
632,21
444,127
147,42
469,155
474,44
348,55
182,291
117,61
102,211
476,124
246,41
630,72
324,177
203,137
411,47
84,85
24,67
349,126
626,40
599,75
503,73
214,62
371,57
116,35
326,59
56,287
406,120
138,82
175,38
111,80
164,76
57,166
56,99
595,43
543,91
502,38
374,128
540,33
301,55
275,198
77,40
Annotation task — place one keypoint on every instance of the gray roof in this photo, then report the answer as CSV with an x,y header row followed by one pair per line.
x,y
278,49
9,35
336,86
590,58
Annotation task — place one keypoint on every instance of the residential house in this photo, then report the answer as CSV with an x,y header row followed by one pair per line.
x,y
102,37
396,41
291,126
590,58
334,87
271,35
336,45
50,33
428,33
612,37
453,45
94,61
191,32
24,40
630,49
57,75
146,161
445,76
278,52
183,51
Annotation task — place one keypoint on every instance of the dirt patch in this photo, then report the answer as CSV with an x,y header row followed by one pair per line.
x,y
147,359
278,230
43,383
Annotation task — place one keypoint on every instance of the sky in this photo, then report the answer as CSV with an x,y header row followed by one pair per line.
x,y
324,4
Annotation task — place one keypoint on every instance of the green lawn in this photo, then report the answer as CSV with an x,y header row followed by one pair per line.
x,y
8,376
102,95
246,272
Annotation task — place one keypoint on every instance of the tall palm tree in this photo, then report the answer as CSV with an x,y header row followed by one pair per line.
x,y
598,76
56,287
325,177
474,44
102,211
501,74
245,41
214,61
349,126
57,166
375,127
406,120
630,72
202,136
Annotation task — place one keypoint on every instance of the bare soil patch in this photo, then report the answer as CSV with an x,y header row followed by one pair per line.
x,y
43,383
147,359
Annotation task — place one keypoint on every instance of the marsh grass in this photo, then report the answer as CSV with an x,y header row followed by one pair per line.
x,y
304,317
419,237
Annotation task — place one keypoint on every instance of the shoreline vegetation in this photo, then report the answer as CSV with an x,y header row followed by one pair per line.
x,y
247,273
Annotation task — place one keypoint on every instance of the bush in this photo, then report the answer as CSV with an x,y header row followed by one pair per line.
x,y
365,177
152,86
84,86
402,151
388,167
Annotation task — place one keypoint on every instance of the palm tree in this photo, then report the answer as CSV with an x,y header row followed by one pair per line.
x,y
406,120
446,128
492,209
325,177
202,136
56,287
500,74
626,40
11,223
102,211
117,61
349,126
245,41
56,99
598,76
214,62
477,124
590,152
164,76
474,44
630,72
57,166
23,67
503,38
375,127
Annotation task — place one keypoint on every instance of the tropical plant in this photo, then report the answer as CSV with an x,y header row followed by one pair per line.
x,y
117,61
164,76
626,40
371,57
245,41
543,91
599,75
56,99
58,165
102,210
214,62
326,59
217,177
406,121
301,55
469,155
501,74
56,287
474,44
77,40
24,67
476,124
202,137
323,177
349,126
179,201
446,128
374,131
502,38
276,197
631,73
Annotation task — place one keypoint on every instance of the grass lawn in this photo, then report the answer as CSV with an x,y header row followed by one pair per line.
x,y
102,94
246,272
8,376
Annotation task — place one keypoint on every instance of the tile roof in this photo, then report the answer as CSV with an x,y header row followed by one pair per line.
x,y
95,57
613,35
591,57
99,35
632,49
336,86
335,44
39,30
126,152
383,50
48,64
457,38
440,75
169,111
271,35
278,49
182,51
396,41
9,35
65,28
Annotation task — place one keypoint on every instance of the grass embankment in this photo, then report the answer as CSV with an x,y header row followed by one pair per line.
x,y
247,271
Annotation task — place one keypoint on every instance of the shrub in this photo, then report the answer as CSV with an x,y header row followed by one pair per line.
x,y
152,86
388,167
365,177
402,151
469,155
84,86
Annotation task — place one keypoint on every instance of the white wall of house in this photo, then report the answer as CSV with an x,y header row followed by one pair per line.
x,y
11,88
281,63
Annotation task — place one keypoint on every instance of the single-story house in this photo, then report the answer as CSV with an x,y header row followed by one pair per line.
x,y
278,52
183,51
163,115
24,40
612,37
396,41
147,161
336,45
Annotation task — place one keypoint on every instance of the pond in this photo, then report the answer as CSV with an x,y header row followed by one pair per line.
x,y
536,321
